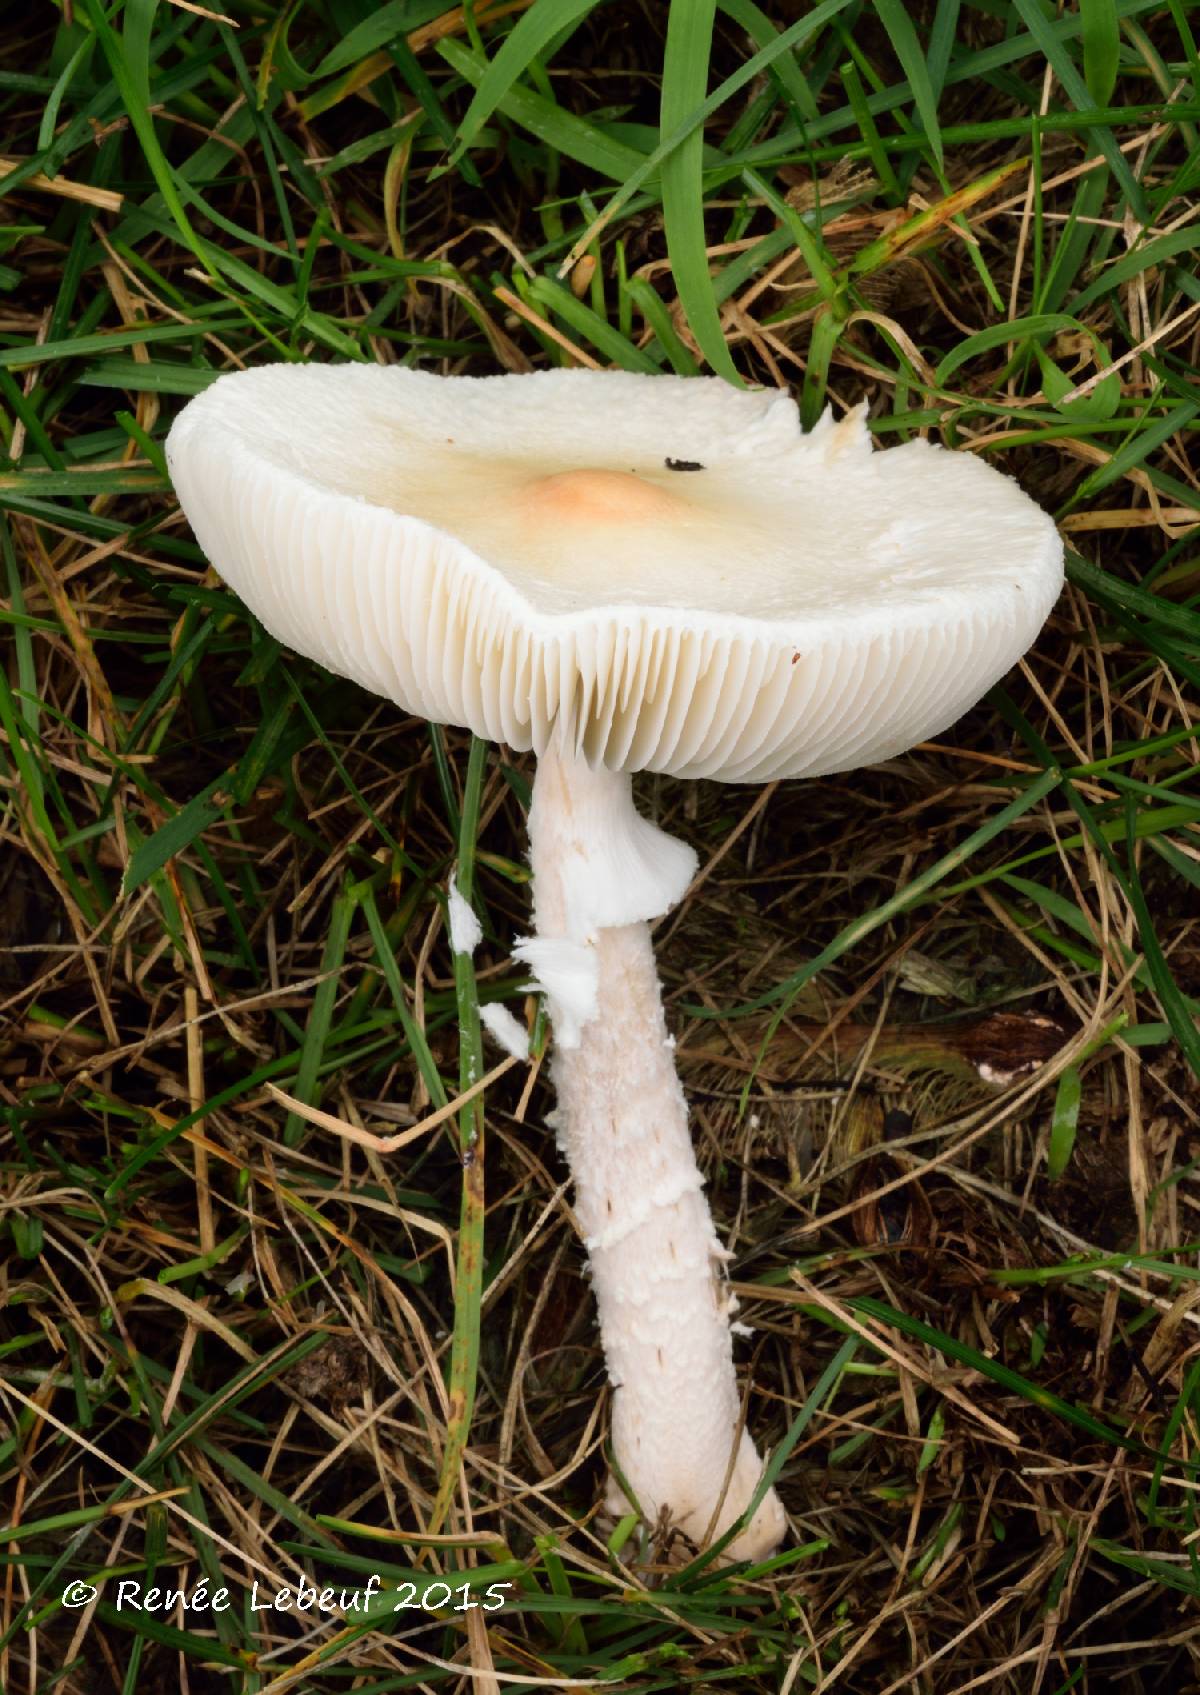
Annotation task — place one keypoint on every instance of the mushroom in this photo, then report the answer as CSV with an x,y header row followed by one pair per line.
x,y
623,573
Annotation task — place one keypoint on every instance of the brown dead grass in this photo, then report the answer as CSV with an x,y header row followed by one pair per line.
x,y
874,1156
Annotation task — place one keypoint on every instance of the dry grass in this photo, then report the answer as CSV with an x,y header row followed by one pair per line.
x,y
949,1128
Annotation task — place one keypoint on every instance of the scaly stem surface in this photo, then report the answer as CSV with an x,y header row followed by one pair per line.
x,y
600,872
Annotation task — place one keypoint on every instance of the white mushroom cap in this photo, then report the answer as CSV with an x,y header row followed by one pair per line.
x,y
517,555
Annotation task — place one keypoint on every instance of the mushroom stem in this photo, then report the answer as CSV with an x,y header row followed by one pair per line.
x,y
600,872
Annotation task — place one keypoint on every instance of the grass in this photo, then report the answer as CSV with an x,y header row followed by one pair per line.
x,y
937,1020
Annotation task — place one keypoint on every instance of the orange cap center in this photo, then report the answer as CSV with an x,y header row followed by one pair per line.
x,y
598,497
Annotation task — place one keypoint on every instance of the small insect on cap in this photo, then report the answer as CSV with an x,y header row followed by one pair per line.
x,y
664,572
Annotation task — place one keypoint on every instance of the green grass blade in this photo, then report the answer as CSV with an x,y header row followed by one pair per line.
x,y
128,61
788,41
684,83
1064,1122
1013,1381
1173,1002
1077,92
468,1283
894,16
317,1031
545,21
558,128
1101,48
908,897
